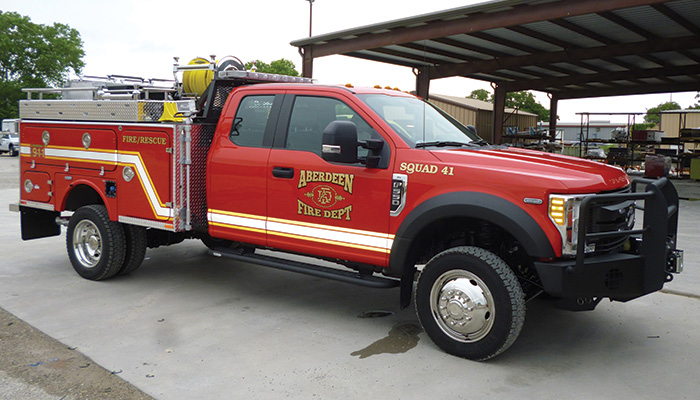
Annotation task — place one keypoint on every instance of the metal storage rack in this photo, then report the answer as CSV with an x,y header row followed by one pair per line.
x,y
626,158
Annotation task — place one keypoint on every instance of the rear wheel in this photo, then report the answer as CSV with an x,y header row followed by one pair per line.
x,y
13,152
470,303
136,242
95,245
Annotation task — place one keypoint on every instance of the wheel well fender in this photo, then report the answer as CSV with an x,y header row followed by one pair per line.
x,y
474,205
496,210
82,194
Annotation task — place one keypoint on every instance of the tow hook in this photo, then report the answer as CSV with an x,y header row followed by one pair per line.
x,y
62,221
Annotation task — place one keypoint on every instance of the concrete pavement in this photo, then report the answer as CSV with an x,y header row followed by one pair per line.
x,y
188,325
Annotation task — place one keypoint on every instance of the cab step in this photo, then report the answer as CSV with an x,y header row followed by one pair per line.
x,y
308,269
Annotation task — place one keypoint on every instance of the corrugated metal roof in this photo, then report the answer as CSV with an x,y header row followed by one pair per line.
x,y
572,49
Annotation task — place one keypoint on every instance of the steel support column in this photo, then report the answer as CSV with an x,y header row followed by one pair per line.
x,y
499,105
307,65
423,83
553,103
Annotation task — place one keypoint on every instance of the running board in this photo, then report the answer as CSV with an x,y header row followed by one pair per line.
x,y
309,269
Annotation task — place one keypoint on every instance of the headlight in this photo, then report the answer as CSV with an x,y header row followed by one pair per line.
x,y
564,213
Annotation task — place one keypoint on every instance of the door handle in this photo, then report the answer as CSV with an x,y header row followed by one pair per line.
x,y
283,172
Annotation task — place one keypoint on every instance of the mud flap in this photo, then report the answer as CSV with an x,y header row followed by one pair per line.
x,y
407,286
38,223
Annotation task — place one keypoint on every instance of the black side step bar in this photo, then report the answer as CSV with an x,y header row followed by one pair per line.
x,y
309,269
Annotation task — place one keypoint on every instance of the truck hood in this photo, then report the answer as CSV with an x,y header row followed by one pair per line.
x,y
559,173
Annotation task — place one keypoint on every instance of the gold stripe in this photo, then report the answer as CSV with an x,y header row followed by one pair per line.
x,y
332,228
326,241
78,159
235,214
124,152
243,228
116,163
82,149
148,175
302,237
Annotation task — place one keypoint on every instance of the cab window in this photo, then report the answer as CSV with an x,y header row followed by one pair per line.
x,y
251,118
310,116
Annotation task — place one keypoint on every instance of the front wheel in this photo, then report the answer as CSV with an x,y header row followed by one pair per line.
x,y
96,245
470,303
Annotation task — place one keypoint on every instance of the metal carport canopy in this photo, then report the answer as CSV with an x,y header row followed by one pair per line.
x,y
569,49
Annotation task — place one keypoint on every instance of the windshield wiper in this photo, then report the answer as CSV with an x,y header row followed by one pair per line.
x,y
442,143
481,142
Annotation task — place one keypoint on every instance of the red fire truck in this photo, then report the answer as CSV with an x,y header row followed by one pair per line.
x,y
390,188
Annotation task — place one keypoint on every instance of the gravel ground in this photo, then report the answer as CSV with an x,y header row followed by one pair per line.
x,y
36,366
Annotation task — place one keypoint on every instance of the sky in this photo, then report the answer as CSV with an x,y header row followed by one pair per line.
x,y
141,37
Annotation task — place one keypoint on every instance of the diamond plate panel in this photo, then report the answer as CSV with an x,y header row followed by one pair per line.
x,y
190,153
202,135
100,110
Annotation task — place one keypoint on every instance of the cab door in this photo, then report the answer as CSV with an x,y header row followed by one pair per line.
x,y
237,167
321,208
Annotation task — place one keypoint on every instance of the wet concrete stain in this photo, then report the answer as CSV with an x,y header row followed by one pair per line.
x,y
375,314
402,338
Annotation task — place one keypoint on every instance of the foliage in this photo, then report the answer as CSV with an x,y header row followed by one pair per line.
x,y
696,106
641,127
281,66
34,55
523,101
481,94
653,116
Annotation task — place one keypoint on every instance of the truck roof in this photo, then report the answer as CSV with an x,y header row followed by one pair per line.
x,y
315,86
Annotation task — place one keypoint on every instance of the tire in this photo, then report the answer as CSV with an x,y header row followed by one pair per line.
x,y
95,245
13,152
470,303
135,251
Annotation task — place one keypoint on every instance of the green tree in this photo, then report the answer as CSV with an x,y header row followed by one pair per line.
x,y
481,94
34,55
281,67
653,116
525,101
696,106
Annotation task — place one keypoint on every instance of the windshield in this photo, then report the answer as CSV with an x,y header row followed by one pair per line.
x,y
419,123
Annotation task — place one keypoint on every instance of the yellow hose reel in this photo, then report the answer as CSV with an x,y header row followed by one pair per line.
x,y
197,81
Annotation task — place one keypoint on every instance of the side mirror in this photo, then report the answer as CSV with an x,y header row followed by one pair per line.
x,y
471,129
340,142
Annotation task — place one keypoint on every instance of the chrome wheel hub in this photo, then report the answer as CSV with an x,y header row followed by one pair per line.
x,y
462,305
87,243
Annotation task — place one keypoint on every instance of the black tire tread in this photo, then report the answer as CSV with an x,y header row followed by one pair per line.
x,y
509,280
136,244
113,235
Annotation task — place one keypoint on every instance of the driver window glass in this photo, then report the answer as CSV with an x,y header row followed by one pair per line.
x,y
311,115
249,124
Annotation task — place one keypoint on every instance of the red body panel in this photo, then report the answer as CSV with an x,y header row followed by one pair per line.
x,y
94,155
326,209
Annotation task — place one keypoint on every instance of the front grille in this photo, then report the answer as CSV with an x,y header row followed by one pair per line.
x,y
611,217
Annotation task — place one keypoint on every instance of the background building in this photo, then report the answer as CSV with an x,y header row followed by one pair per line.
x,y
480,114
570,132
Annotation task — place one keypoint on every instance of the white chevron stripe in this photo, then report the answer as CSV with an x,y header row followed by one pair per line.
x,y
372,241
115,158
